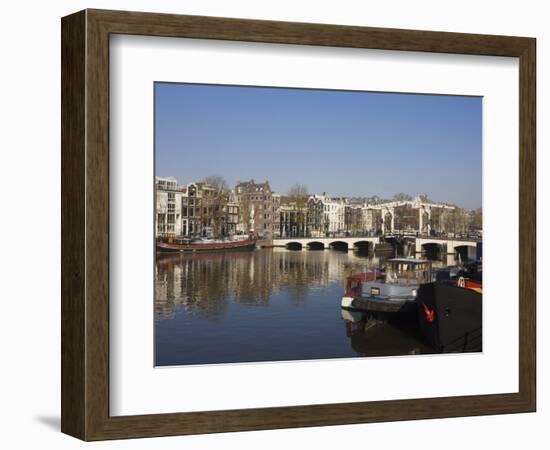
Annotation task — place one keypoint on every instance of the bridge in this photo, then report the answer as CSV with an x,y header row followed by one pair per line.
x,y
446,246
466,248
336,243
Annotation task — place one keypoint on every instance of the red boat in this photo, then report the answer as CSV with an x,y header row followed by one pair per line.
x,y
186,245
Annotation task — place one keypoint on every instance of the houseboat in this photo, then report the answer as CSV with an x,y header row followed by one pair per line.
x,y
187,245
390,290
450,310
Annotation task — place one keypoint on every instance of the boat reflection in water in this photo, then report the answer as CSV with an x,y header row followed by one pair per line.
x,y
371,338
263,305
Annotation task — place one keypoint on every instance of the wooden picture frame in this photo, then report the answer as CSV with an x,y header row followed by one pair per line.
x,y
85,224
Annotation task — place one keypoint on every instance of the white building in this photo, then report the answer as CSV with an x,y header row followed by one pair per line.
x,y
276,213
326,215
168,206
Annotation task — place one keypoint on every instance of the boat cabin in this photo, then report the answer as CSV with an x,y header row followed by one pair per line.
x,y
408,271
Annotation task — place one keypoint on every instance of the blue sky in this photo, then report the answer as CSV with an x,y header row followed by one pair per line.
x,y
340,142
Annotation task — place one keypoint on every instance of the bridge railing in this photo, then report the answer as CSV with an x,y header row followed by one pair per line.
x,y
400,234
329,236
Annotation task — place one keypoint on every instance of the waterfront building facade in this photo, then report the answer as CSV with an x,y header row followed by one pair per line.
x,y
232,214
208,211
293,218
326,215
201,209
255,202
197,209
191,211
276,213
168,206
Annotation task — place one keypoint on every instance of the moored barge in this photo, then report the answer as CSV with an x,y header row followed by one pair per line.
x,y
392,290
186,245
450,310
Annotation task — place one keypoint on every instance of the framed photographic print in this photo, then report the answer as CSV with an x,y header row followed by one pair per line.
x,y
271,224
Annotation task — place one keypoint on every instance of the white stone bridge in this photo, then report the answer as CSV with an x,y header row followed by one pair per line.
x,y
421,244
339,243
448,246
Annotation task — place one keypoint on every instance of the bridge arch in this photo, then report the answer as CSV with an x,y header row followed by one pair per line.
x,y
465,251
363,246
339,245
315,245
293,245
432,250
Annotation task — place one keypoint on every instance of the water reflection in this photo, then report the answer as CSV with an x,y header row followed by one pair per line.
x,y
266,305
368,338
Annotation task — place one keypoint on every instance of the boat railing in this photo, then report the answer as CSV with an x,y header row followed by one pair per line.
x,y
418,276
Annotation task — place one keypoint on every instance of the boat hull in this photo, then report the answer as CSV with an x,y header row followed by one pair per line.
x,y
377,296
450,317
247,245
380,305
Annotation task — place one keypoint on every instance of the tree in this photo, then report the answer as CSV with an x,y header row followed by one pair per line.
x,y
247,214
476,221
298,195
424,198
456,221
298,192
217,182
215,199
374,200
402,197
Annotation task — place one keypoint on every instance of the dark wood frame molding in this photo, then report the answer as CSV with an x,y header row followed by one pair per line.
x,y
85,224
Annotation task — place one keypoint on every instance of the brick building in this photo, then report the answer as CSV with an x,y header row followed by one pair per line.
x,y
255,202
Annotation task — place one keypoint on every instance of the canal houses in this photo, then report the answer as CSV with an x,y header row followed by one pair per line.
x,y
197,209
214,209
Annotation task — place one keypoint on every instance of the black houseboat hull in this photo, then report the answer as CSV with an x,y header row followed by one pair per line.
x,y
450,317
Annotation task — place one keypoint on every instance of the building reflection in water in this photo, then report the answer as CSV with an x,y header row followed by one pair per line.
x,y
202,282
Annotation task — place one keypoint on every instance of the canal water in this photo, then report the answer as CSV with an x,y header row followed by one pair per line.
x,y
266,305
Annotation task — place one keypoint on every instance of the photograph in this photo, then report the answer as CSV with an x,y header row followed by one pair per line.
x,y
307,224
